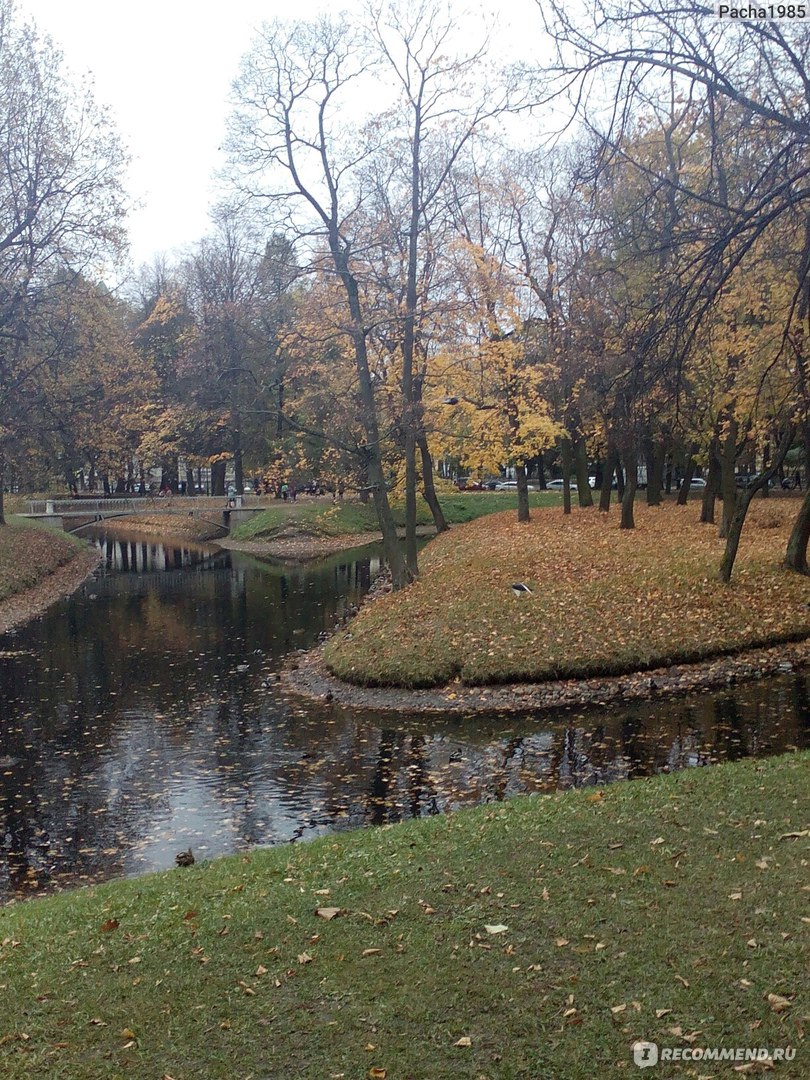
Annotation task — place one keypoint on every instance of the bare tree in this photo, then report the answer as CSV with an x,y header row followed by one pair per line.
x,y
61,203
446,100
292,155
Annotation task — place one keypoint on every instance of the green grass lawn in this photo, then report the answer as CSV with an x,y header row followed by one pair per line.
x,y
603,601
530,939
29,552
318,518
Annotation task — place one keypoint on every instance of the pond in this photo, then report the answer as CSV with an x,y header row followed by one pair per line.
x,y
140,718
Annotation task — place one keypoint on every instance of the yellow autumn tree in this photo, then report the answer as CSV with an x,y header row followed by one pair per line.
x,y
490,392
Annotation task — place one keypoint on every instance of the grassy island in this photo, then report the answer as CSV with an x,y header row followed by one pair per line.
x,y
541,937
602,601
320,517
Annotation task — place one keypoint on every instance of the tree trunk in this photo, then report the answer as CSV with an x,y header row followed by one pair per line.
x,y
710,491
796,551
2,490
620,485
191,488
728,459
742,502
218,478
522,492
607,479
364,491
655,472
429,487
239,476
541,473
629,497
400,572
688,476
581,466
409,388
410,500
565,453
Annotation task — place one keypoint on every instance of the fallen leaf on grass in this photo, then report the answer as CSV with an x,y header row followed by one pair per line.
x,y
377,1074
109,925
372,952
305,958
465,1040
496,928
778,1003
560,941
616,1009
327,913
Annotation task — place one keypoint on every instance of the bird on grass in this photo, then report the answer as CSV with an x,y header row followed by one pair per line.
x,y
184,858
519,589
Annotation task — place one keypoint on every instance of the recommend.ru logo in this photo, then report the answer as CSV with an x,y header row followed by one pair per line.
x,y
645,1054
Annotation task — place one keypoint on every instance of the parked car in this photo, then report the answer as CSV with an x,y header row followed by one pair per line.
x,y
506,485
697,483
559,484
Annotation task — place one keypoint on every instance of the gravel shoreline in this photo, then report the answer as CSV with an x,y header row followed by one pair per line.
x,y
305,675
31,603
301,548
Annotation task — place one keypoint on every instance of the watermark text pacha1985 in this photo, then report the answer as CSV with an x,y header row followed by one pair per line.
x,y
762,12
646,1054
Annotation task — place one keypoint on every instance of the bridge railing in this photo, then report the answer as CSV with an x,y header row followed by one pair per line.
x,y
142,505
85,506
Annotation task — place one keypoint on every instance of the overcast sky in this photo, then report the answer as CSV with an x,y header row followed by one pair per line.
x,y
165,69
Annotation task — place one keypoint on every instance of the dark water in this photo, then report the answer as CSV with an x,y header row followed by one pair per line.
x,y
139,718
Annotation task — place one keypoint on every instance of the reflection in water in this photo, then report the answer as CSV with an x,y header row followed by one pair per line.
x,y
137,719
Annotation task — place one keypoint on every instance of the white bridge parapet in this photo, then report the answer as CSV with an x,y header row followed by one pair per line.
x,y
60,507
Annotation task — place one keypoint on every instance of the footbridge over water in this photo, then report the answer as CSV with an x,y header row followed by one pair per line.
x,y
75,514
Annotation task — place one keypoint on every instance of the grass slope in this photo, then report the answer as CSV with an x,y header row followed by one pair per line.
x,y
603,602
350,518
28,554
536,938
